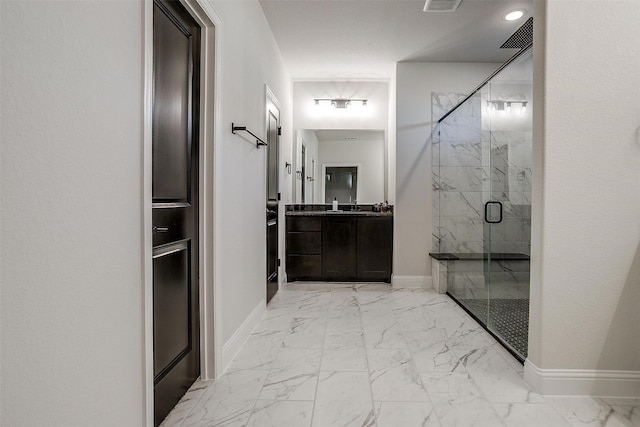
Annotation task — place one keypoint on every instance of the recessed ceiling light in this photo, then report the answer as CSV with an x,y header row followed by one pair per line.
x,y
516,14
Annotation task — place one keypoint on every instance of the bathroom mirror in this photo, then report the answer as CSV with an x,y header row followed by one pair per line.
x,y
346,164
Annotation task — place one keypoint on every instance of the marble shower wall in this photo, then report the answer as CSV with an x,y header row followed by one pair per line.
x,y
478,154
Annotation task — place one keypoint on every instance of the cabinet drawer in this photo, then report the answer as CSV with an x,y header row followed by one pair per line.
x,y
304,223
307,242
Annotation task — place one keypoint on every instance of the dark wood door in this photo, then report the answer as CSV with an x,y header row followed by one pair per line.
x,y
339,248
176,331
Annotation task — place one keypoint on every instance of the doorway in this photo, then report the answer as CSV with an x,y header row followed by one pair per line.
x,y
341,184
175,204
273,193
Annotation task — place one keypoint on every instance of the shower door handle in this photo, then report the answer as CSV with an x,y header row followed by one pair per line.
x,y
486,213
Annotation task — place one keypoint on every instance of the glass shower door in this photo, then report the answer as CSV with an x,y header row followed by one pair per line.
x,y
507,213
482,159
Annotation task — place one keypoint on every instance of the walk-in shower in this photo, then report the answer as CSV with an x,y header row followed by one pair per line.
x,y
482,199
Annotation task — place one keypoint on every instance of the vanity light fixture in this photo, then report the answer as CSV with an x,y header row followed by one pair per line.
x,y
514,15
506,105
339,102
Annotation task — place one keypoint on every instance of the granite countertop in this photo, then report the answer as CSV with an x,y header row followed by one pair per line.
x,y
337,213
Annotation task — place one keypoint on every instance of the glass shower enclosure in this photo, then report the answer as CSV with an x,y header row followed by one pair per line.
x,y
482,158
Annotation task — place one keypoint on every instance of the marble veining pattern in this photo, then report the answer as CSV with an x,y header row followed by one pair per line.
x,y
404,358
475,159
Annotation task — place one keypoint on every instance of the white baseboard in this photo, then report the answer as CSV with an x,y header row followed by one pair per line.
x,y
237,340
411,282
582,382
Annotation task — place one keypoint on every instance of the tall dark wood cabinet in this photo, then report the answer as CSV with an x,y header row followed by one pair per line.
x,y
339,237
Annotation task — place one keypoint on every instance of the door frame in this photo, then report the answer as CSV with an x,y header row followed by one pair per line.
x,y
209,20
272,102
358,166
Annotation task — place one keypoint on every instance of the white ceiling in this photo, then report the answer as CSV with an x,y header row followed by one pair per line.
x,y
363,39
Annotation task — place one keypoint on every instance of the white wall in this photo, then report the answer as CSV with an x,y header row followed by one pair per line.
x,y
71,237
390,180
585,280
71,212
251,58
412,223
368,155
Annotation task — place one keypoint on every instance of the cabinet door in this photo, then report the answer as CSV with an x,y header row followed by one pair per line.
x,y
375,248
304,267
339,248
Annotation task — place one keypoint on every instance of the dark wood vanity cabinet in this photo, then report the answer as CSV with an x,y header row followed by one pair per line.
x,y
339,247
304,248
375,248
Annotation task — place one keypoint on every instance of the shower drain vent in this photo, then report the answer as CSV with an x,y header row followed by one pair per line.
x,y
522,38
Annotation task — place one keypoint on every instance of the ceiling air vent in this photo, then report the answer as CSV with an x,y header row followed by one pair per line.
x,y
522,38
441,5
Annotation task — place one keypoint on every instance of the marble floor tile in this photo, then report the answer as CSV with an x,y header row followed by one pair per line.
x,y
496,378
276,319
315,301
343,339
343,400
345,354
458,402
259,351
450,385
373,287
344,300
529,415
405,414
305,332
293,376
229,400
431,352
344,322
186,404
467,413
286,298
626,407
394,377
464,333
278,413
383,336
628,413
344,351
587,412
508,357
344,359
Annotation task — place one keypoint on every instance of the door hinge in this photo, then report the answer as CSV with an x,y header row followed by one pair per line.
x,y
279,196
279,130
278,262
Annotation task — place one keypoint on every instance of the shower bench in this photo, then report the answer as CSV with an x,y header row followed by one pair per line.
x,y
444,261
